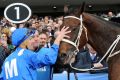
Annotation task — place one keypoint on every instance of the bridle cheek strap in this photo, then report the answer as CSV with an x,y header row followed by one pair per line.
x,y
76,43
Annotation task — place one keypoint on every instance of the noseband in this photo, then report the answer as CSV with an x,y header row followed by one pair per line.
x,y
81,27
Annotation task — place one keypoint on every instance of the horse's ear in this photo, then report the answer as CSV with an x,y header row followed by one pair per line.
x,y
75,11
82,8
66,9
79,10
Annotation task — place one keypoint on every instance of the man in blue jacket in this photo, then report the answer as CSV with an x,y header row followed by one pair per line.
x,y
23,62
89,59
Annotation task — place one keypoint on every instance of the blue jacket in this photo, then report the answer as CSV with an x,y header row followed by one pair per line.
x,y
84,61
22,64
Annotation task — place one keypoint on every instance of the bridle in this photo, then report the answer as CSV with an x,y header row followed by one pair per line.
x,y
81,27
76,44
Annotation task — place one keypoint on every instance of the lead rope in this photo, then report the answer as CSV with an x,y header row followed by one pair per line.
x,y
114,46
110,50
76,44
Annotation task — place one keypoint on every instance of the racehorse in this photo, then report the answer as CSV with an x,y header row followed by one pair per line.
x,y
102,35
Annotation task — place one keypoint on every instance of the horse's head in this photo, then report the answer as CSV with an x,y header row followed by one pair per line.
x,y
78,38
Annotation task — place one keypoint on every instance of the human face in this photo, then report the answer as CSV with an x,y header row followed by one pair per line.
x,y
49,28
36,39
33,25
91,50
110,14
60,22
33,41
43,39
37,24
4,37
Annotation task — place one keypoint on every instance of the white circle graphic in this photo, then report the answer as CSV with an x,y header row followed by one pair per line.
x,y
14,4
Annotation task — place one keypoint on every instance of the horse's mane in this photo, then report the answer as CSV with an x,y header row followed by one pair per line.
x,y
108,22
72,11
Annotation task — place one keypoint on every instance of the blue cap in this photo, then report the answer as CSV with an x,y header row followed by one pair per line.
x,y
21,34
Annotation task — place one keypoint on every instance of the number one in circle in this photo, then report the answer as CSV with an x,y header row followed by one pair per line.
x,y
17,12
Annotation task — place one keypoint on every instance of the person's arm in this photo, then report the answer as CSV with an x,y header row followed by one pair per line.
x,y
1,75
97,65
61,34
48,56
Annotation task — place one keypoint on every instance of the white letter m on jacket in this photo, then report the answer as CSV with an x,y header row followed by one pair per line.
x,y
11,68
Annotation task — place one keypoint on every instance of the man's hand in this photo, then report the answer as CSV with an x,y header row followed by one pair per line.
x,y
61,34
97,65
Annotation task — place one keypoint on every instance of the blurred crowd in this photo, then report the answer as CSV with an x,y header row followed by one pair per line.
x,y
46,27
111,16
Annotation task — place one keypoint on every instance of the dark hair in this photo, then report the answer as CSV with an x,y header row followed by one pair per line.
x,y
27,25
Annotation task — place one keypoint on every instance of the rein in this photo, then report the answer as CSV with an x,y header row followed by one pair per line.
x,y
76,44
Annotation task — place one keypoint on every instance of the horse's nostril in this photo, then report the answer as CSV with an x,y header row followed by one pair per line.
x,y
63,55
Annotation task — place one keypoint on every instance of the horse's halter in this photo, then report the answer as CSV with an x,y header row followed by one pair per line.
x,y
76,43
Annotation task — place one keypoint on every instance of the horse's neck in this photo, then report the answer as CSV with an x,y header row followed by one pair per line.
x,y
100,34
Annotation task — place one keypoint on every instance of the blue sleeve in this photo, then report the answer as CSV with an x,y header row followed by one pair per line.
x,y
1,76
45,56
